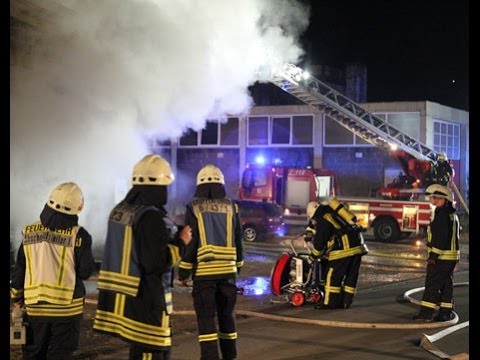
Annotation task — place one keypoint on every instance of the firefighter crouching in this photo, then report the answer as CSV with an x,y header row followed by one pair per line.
x,y
54,257
213,258
336,236
443,235
135,294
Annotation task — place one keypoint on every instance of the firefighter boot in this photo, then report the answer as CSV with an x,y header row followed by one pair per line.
x,y
444,315
423,316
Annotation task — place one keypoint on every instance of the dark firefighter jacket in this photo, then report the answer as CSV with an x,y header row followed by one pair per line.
x,y
443,235
135,294
53,259
216,249
333,237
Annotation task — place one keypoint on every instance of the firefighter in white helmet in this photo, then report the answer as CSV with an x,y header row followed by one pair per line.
x,y
135,280
213,259
334,234
57,252
441,170
443,255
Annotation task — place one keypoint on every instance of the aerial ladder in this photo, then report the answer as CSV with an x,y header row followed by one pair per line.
x,y
350,115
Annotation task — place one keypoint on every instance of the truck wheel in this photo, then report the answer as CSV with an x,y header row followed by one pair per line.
x,y
386,230
250,234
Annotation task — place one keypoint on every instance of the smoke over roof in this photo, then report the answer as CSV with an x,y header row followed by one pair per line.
x,y
88,91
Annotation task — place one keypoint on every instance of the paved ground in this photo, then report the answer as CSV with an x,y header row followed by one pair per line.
x,y
350,334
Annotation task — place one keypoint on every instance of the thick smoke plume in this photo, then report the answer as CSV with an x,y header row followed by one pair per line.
x,y
105,75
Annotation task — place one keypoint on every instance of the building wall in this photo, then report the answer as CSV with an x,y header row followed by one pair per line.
x,y
360,170
190,161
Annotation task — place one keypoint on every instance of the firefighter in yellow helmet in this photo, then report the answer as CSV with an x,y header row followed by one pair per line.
x,y
213,259
443,255
135,293
54,257
334,234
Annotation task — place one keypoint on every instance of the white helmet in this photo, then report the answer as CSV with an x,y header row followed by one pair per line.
x,y
152,170
442,156
210,174
311,208
66,198
439,191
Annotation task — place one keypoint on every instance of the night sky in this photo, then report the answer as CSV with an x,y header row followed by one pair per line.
x,y
413,50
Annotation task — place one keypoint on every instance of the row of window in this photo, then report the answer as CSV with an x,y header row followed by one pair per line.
x,y
297,130
446,138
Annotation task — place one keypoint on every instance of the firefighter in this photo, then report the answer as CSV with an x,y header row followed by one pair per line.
x,y
54,257
334,234
213,259
135,294
443,255
442,171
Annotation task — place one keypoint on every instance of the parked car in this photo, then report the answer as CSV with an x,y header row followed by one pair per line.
x,y
260,220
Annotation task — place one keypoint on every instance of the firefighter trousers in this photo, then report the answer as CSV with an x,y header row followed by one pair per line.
x,y
341,281
210,298
438,288
52,339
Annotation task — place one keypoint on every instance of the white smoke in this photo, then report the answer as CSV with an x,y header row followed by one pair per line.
x,y
106,74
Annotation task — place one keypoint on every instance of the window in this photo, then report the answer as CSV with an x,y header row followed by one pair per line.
x,y
446,138
229,132
281,131
189,138
258,130
406,122
284,130
336,134
215,133
210,134
302,130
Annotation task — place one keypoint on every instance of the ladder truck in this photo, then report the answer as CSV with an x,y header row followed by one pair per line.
x,y
400,210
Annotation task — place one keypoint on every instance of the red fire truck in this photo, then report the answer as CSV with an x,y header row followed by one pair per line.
x,y
294,188
291,188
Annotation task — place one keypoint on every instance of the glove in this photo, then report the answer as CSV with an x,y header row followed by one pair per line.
x,y
184,282
431,262
17,311
308,236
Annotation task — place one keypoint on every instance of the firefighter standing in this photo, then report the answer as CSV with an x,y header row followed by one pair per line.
x,y
213,259
135,295
54,257
442,171
334,234
443,255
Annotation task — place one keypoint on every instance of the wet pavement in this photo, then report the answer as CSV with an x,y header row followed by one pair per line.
x,y
355,333
379,324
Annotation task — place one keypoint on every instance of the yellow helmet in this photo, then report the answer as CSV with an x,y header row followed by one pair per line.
x,y
66,198
439,191
210,174
152,170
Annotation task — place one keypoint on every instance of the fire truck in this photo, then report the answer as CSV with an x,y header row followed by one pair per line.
x,y
400,207
294,188
291,188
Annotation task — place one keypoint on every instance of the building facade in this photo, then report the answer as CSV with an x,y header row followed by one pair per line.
x,y
299,136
